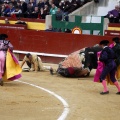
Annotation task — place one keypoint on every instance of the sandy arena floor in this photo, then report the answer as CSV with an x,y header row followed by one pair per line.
x,y
41,96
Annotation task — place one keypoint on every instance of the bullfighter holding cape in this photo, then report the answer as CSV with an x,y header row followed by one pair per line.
x,y
106,65
9,65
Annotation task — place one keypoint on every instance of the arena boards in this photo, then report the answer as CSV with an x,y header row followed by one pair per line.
x,y
51,46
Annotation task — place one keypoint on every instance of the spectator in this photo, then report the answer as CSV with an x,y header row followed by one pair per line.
x,y
61,5
50,3
40,4
17,12
23,6
14,3
113,15
44,12
1,2
50,29
6,3
6,21
66,5
68,31
74,5
8,11
35,13
56,2
46,3
53,9
29,11
19,4
33,3
59,14
2,10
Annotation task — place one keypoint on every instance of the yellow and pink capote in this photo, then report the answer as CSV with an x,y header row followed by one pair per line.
x,y
12,69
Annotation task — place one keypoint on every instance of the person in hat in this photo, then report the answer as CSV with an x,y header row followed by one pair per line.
x,y
107,57
116,48
4,45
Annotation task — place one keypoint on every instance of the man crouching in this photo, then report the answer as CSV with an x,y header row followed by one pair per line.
x,y
33,62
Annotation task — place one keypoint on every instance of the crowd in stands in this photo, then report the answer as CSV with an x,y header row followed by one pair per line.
x,y
39,9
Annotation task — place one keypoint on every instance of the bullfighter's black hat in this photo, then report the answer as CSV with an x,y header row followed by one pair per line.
x,y
27,55
104,42
3,36
116,39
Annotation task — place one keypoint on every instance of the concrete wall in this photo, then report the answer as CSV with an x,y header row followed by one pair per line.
x,y
48,21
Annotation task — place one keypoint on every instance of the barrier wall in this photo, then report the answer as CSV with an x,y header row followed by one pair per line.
x,y
33,24
78,23
53,46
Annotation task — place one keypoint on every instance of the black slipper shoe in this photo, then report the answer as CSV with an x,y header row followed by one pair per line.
x,y
118,93
1,83
51,71
103,93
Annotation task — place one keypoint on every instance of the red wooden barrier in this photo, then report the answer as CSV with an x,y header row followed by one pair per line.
x,y
112,33
114,25
50,42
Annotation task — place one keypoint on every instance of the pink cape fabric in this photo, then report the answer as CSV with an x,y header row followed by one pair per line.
x,y
2,62
73,60
99,69
100,66
111,45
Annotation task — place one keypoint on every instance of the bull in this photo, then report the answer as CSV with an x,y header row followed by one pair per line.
x,y
79,63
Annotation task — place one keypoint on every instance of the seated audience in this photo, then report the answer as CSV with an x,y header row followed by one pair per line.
x,y
9,10
26,8
7,21
44,11
50,29
17,12
33,2
56,2
2,10
64,5
46,2
6,4
59,14
113,15
73,6
23,6
53,9
14,2
40,4
35,13
29,11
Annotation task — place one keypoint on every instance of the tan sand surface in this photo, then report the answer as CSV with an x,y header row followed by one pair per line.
x,y
20,101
